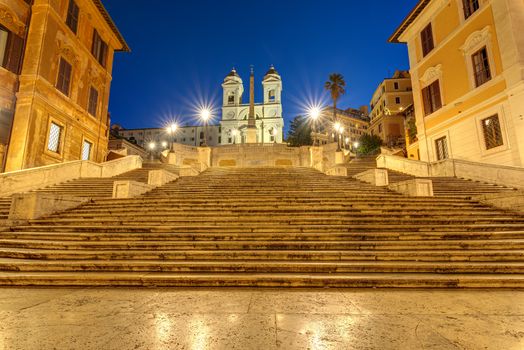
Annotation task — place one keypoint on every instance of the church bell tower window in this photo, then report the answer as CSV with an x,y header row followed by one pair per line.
x,y
271,96
231,99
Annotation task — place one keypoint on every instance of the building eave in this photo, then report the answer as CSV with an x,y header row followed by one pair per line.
x,y
112,25
410,18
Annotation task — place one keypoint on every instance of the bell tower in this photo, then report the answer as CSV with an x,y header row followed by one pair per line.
x,y
232,88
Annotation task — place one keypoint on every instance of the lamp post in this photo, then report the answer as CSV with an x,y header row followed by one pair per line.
x,y
205,114
341,137
151,147
337,127
314,114
171,130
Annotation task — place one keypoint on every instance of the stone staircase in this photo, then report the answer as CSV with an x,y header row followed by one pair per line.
x,y
269,227
442,186
5,204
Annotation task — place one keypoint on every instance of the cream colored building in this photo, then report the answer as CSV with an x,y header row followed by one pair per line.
x,y
355,123
389,101
467,71
55,81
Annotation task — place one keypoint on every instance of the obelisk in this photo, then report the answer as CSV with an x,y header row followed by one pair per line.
x,y
251,136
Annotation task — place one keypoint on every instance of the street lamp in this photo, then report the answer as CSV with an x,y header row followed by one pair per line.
x,y
337,132
171,130
341,136
152,147
314,114
205,114
164,144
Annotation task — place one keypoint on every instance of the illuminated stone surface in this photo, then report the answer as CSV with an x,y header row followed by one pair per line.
x,y
260,319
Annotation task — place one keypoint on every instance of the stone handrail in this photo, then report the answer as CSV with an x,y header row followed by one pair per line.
x,y
497,174
35,178
404,165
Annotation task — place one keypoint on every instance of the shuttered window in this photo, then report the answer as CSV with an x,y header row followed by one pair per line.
x,y
86,150
426,37
63,82
11,47
492,132
72,16
431,97
470,6
99,49
441,147
93,101
481,68
55,135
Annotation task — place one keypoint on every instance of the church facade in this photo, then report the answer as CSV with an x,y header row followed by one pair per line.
x,y
268,114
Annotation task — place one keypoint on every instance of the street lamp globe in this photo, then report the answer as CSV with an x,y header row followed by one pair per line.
x,y
164,144
152,145
205,114
314,113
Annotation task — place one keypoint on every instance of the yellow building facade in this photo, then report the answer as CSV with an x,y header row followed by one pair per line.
x,y
54,98
388,103
467,70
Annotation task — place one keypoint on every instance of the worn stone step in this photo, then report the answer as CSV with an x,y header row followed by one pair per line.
x,y
355,280
282,266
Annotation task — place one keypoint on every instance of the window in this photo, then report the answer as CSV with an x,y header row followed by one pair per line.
x,y
397,100
201,135
271,96
72,16
220,139
492,132
231,99
380,127
426,37
396,85
229,140
86,150
99,49
441,147
481,69
55,135
431,98
93,101
64,76
11,47
470,6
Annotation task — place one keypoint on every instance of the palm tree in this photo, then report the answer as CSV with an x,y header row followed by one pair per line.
x,y
336,85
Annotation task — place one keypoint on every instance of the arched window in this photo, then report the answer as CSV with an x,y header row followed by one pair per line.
x,y
231,99
271,95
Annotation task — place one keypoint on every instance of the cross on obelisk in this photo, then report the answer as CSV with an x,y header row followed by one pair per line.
x,y
251,136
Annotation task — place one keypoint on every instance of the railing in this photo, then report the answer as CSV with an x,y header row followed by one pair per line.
x,y
35,178
497,174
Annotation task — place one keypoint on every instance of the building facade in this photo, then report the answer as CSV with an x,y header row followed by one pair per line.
x,y
354,123
160,137
389,101
268,114
55,80
467,70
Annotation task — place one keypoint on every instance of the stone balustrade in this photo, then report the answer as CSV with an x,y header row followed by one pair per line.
x,y
491,173
35,178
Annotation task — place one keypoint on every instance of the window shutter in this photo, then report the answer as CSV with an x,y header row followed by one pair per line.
x,y
16,46
426,99
436,92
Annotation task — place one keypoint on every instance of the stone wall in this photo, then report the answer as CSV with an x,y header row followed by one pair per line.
x,y
497,174
251,155
31,179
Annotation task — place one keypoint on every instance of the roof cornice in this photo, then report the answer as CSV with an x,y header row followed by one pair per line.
x,y
415,12
112,25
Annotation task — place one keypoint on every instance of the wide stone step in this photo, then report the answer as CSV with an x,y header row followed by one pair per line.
x,y
270,236
514,244
269,228
289,255
260,266
355,280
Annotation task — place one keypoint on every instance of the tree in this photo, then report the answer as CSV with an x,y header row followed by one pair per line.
x,y
336,85
299,132
369,144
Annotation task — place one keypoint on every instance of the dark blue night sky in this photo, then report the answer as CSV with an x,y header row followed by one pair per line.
x,y
182,50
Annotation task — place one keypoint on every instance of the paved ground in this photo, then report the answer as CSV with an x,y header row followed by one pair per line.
x,y
260,319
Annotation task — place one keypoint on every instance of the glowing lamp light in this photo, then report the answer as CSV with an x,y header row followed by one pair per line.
x,y
152,145
337,126
172,128
164,144
356,144
234,132
314,113
205,114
